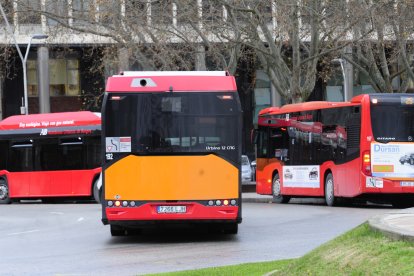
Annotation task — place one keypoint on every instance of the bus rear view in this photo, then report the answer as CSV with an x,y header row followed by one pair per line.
x,y
172,150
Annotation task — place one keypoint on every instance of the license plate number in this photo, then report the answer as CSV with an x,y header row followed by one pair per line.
x,y
407,183
171,209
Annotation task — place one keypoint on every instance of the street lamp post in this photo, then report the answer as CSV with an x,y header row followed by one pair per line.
x,y
341,62
25,109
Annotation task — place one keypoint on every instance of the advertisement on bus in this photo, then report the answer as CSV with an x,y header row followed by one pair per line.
x,y
392,160
301,176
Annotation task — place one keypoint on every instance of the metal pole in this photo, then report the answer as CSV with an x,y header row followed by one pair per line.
x,y
345,81
342,63
24,62
24,109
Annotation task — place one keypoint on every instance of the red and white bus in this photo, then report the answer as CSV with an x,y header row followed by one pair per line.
x,y
172,151
359,149
50,155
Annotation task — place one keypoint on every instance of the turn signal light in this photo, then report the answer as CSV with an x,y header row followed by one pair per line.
x,y
124,203
366,163
224,202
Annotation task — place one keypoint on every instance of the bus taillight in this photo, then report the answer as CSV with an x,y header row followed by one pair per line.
x,y
366,163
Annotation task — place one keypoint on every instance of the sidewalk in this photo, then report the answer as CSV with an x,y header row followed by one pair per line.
x,y
398,224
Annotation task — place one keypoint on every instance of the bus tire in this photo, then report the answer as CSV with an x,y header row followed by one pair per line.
x,y
231,228
277,197
4,192
402,203
117,231
329,190
97,193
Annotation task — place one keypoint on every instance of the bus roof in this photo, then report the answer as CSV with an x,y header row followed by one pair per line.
x,y
46,120
307,106
172,81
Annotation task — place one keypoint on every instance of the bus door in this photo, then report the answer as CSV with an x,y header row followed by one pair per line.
x,y
19,165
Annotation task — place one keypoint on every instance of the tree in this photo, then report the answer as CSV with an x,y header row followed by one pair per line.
x,y
289,39
385,54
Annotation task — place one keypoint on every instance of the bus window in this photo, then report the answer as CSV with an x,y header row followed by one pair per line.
x,y
72,156
20,156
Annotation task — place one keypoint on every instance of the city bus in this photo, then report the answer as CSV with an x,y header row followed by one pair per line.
x,y
356,151
50,156
172,151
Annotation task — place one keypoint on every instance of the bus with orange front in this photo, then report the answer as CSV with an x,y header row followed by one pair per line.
x,y
50,156
357,150
172,151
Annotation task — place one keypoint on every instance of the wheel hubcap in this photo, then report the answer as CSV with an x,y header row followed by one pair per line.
x,y
276,188
329,189
3,192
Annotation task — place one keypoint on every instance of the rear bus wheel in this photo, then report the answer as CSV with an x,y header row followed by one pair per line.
x,y
329,190
276,191
231,228
117,231
4,192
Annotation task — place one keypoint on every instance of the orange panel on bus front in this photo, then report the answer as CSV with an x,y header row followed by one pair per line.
x,y
171,178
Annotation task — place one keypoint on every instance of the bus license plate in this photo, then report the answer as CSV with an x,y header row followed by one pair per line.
x,y
171,209
407,183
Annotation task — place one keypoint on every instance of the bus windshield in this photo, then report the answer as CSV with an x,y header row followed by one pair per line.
x,y
392,122
179,123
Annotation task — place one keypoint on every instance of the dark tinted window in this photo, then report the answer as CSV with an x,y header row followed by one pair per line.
x,y
51,154
21,156
4,147
392,122
176,123
312,137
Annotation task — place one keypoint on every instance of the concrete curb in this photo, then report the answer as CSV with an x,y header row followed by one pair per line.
x,y
257,200
395,225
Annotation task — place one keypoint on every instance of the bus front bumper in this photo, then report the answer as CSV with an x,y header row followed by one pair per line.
x,y
152,212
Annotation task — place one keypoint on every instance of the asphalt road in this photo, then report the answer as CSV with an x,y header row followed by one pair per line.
x,y
69,239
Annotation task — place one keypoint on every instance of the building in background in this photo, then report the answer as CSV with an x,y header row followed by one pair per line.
x,y
77,63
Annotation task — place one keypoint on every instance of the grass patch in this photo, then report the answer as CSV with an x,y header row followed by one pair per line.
x,y
360,251
251,269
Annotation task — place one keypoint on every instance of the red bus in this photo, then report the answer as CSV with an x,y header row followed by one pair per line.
x,y
50,155
362,149
172,143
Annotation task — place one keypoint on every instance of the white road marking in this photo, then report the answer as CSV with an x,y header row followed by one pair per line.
x,y
80,219
57,213
25,232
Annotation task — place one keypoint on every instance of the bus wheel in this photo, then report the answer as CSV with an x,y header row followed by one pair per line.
x,y
117,231
277,197
97,193
4,192
402,203
329,190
